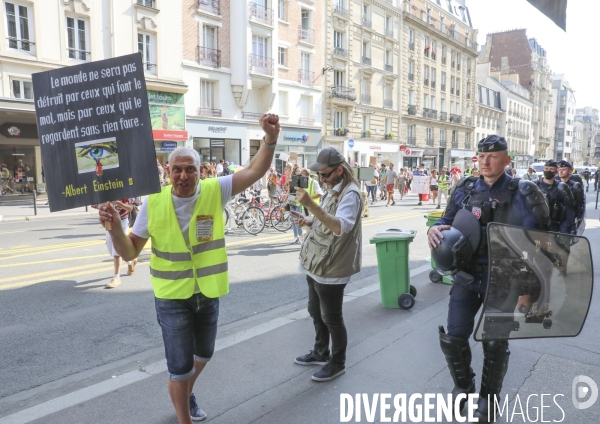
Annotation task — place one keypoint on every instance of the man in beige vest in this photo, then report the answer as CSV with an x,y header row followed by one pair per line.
x,y
330,255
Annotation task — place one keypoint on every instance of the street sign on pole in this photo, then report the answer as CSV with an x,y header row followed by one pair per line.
x,y
474,159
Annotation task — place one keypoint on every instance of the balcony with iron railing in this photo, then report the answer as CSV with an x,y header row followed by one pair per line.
x,y
212,6
411,141
426,81
366,134
433,55
455,144
429,142
467,145
305,77
468,121
443,144
458,91
342,92
147,3
388,104
389,68
366,22
260,14
260,64
338,51
338,10
455,118
411,77
443,87
444,60
412,109
81,55
443,116
149,67
209,112
306,121
451,90
432,83
208,57
411,46
366,60
426,51
389,32
429,113
365,99
458,66
306,35
20,44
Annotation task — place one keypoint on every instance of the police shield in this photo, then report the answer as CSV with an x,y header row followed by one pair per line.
x,y
539,284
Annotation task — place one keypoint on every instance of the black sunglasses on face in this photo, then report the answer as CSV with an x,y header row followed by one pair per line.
x,y
325,176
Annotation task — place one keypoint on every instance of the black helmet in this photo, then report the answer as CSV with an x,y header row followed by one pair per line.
x,y
458,245
454,252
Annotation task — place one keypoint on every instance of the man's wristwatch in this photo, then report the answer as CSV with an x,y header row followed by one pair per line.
x,y
267,145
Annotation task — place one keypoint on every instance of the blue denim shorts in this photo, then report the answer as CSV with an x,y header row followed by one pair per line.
x,y
189,329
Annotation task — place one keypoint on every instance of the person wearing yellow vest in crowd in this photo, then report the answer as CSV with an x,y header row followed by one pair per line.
x,y
188,266
443,187
468,170
314,189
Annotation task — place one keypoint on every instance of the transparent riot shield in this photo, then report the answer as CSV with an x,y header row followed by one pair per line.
x,y
539,284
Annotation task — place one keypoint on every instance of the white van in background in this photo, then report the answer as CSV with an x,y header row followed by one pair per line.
x,y
538,167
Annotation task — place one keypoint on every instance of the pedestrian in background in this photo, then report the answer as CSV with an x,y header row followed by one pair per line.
x,y
530,175
123,207
220,168
372,184
294,205
444,186
382,181
330,255
433,186
391,181
314,189
188,217
402,183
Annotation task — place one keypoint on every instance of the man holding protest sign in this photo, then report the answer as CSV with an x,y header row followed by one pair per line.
x,y
189,261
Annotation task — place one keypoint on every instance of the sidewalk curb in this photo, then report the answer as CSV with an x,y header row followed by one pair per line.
x,y
44,217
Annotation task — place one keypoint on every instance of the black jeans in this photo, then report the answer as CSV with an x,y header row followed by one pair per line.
x,y
325,307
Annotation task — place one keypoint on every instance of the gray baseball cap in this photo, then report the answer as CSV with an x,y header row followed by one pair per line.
x,y
327,157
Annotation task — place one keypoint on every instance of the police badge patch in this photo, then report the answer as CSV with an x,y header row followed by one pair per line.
x,y
476,211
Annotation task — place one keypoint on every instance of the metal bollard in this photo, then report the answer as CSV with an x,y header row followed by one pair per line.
x,y
34,202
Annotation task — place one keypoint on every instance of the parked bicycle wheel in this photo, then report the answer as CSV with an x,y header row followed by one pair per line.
x,y
281,219
253,220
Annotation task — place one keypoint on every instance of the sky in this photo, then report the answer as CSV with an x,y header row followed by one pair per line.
x,y
573,53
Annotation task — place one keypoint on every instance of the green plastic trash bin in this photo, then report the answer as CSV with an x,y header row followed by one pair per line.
x,y
392,263
432,218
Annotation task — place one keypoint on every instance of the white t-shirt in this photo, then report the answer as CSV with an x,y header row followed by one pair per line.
x,y
219,168
184,209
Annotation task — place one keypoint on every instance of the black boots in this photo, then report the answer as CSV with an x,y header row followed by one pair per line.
x,y
495,364
458,356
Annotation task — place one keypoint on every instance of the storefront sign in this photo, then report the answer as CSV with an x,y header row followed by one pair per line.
x,y
454,153
208,129
169,145
14,131
402,147
303,138
10,130
374,147
430,152
164,98
169,135
217,130
95,132
413,153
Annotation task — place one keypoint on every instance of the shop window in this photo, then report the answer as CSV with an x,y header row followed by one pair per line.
x,y
21,89
77,39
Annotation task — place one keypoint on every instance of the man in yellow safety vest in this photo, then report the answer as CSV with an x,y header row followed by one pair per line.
x,y
188,266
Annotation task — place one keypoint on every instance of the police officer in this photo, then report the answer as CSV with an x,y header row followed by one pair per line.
x,y
565,174
559,199
493,197
586,176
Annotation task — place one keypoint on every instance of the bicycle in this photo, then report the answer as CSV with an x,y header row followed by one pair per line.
x,y
251,218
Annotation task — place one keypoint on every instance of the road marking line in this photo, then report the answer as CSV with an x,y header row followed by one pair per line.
x,y
12,250
99,389
74,258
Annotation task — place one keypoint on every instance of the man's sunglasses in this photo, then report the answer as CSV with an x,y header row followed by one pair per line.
x,y
325,176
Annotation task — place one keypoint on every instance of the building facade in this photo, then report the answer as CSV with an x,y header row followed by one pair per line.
x,y
589,121
360,79
515,57
439,53
565,111
241,62
43,35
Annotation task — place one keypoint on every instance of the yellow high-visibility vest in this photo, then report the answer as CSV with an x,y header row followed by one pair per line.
x,y
312,191
177,270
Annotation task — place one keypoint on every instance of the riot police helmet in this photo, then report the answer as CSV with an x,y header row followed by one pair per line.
x,y
459,244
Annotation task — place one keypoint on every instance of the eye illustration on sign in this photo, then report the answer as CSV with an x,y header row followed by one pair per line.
x,y
96,155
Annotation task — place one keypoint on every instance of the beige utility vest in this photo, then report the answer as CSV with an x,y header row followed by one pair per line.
x,y
325,255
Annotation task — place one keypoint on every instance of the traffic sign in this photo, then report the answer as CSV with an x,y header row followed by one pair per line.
x,y
351,142
474,159
407,152
402,147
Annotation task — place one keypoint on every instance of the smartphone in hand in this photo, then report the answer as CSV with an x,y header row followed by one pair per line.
x,y
297,214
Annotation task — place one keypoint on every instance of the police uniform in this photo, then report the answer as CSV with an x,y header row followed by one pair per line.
x,y
576,186
510,201
561,203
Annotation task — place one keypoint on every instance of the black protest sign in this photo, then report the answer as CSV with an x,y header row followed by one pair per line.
x,y
95,132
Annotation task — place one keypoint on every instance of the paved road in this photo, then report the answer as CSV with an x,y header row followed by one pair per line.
x,y
56,318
